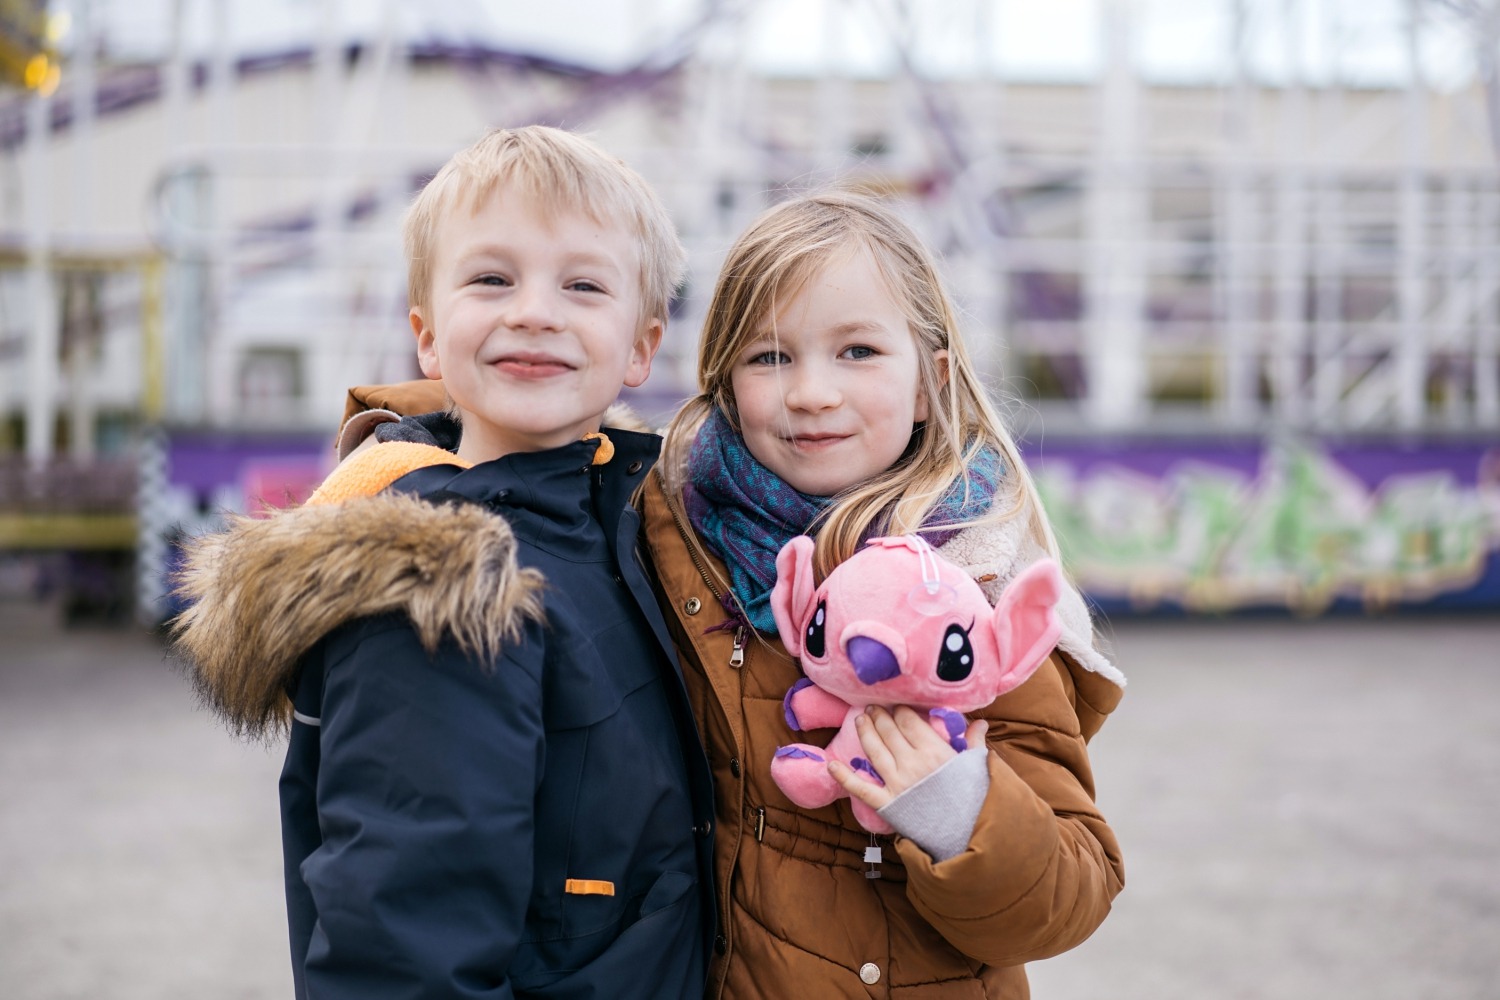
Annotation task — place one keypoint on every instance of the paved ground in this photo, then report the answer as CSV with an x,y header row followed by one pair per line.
x,y
1309,810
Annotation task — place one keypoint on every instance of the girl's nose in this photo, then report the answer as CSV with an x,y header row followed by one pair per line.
x,y
810,390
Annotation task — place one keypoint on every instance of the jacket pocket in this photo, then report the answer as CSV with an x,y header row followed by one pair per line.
x,y
657,954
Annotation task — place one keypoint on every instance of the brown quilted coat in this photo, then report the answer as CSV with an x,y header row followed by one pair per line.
x,y
798,916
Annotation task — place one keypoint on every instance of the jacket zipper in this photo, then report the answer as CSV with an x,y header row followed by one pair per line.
x,y
741,634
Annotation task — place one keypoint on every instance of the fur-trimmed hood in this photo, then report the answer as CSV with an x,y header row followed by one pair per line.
x,y
264,591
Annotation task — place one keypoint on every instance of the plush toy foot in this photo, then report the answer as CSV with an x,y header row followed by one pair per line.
x,y
801,772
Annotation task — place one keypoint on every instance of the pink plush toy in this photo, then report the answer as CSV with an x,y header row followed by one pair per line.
x,y
897,624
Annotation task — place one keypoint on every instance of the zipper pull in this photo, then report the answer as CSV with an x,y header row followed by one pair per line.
x,y
737,655
760,824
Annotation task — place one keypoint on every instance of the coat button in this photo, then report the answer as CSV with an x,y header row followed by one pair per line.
x,y
703,829
869,973
734,766
633,468
721,943
692,605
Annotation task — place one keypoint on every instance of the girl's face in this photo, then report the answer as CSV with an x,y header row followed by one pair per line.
x,y
828,395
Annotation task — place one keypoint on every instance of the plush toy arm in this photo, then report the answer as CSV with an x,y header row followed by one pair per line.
x,y
808,706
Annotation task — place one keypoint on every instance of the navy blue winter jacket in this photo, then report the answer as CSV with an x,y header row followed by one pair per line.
x,y
533,826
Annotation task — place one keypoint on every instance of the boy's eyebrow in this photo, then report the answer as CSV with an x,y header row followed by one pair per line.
x,y
584,258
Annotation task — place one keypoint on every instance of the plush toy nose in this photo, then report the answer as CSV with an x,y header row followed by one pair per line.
x,y
873,660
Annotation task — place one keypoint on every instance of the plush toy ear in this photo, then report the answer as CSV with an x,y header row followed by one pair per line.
x,y
1026,624
793,593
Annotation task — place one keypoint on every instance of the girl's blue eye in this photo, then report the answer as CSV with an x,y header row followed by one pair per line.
x,y
859,352
585,286
770,358
490,279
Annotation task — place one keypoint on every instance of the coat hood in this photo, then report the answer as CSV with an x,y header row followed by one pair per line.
x,y
266,590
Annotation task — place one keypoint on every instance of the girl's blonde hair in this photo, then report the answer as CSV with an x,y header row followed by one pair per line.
x,y
784,248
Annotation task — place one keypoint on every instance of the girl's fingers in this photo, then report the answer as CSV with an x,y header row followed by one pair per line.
x,y
878,751
917,729
858,786
977,730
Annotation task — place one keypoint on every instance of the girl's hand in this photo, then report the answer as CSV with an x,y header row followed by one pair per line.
x,y
903,748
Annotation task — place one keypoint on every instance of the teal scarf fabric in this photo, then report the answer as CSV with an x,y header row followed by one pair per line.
x,y
745,513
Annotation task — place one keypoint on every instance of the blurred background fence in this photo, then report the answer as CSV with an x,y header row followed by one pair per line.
x,y
1233,265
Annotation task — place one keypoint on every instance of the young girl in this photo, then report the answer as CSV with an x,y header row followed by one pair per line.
x,y
838,400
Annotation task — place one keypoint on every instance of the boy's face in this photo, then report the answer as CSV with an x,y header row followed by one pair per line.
x,y
532,323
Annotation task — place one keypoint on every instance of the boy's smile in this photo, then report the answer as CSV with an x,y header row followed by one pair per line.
x,y
533,322
828,395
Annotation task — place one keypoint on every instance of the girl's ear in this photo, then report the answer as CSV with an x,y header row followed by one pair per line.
x,y
940,360
794,590
427,356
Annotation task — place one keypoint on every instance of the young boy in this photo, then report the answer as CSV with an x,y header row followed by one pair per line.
x,y
493,786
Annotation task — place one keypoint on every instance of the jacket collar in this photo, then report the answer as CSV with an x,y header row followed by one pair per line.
x,y
560,486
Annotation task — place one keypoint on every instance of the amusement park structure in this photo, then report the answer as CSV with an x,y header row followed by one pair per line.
x,y
199,236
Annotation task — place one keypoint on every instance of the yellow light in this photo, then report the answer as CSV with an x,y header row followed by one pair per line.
x,y
35,73
41,74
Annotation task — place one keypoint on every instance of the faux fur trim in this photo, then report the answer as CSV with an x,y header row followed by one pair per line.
x,y
263,592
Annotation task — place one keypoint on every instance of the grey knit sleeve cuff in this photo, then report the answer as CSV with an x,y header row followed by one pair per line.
x,y
938,812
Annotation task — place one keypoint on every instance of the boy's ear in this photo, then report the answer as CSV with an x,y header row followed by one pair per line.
x,y
641,353
427,356
939,358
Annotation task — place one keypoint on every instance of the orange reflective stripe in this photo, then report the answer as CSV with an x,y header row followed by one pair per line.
x,y
589,887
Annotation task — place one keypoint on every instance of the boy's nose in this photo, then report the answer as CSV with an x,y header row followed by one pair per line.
x,y
533,307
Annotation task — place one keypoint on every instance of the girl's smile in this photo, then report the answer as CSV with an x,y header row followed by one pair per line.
x,y
828,395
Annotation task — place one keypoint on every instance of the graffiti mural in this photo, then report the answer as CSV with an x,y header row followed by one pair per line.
x,y
1292,524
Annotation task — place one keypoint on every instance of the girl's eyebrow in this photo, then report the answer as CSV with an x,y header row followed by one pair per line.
x,y
857,326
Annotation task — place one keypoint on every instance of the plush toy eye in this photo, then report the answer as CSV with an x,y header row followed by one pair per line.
x,y
956,659
813,643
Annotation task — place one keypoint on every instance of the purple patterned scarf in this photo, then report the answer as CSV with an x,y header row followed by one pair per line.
x,y
745,513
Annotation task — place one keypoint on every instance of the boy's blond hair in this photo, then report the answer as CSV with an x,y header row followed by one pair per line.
x,y
767,266
559,171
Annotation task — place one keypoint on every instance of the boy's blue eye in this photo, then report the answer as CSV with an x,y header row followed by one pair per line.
x,y
490,279
585,286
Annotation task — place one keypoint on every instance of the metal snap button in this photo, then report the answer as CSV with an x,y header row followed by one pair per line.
x,y
633,468
869,973
692,605
734,766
